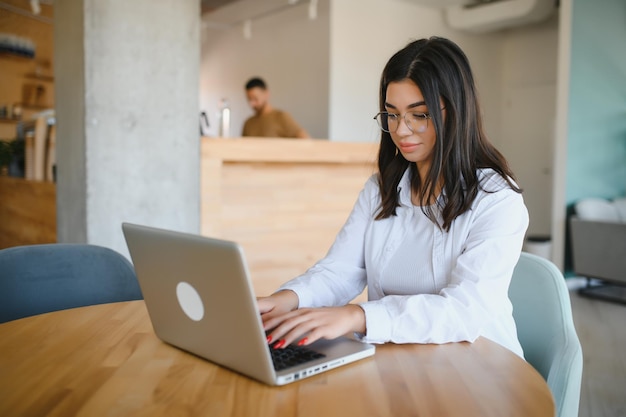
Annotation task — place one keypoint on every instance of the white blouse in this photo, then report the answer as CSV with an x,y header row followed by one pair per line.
x,y
410,270
437,287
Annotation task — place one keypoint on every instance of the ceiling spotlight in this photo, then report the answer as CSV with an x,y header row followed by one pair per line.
x,y
35,6
247,29
312,9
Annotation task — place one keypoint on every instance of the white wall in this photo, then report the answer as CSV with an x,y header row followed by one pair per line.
x,y
287,49
364,35
528,98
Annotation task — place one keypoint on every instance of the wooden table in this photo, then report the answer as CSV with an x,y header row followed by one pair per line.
x,y
106,360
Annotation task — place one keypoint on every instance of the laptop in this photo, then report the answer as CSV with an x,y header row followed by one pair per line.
x,y
200,299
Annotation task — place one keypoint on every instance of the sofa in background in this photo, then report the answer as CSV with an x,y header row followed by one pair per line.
x,y
598,238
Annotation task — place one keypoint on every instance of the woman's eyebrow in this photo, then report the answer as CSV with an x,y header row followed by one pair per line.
x,y
417,104
410,106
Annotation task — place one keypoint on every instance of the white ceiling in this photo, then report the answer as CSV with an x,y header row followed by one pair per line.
x,y
234,12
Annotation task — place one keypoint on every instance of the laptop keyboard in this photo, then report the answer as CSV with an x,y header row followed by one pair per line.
x,y
293,355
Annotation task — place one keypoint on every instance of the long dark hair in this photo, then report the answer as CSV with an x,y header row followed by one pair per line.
x,y
441,71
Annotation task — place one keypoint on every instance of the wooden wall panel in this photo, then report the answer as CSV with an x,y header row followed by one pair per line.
x,y
27,212
285,214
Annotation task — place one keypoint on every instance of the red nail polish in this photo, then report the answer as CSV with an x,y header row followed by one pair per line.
x,y
279,344
269,338
302,341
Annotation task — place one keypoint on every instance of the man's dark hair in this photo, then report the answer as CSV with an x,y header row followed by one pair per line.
x,y
256,82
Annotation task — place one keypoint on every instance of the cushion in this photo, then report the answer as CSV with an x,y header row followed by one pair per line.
x,y
620,205
597,209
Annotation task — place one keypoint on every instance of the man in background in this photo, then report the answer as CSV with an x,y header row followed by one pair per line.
x,y
268,121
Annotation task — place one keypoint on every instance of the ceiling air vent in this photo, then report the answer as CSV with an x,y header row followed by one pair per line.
x,y
496,15
491,15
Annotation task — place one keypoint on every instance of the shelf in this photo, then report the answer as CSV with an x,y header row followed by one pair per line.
x,y
16,56
9,120
45,78
35,106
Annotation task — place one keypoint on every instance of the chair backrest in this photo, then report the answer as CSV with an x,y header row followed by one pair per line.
x,y
545,327
37,279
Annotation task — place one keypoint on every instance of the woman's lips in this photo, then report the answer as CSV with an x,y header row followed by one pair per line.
x,y
408,147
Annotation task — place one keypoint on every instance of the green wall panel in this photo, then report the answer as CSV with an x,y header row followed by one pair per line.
x,y
596,150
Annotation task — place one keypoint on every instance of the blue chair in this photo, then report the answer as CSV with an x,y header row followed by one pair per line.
x,y
545,328
37,279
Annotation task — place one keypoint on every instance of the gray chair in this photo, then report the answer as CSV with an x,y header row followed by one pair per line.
x,y
37,279
545,328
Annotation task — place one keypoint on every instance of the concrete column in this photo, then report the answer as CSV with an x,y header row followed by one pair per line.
x,y
128,145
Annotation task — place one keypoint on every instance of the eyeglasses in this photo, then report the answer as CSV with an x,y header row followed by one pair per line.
x,y
389,122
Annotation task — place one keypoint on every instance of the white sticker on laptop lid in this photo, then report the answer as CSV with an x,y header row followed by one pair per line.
x,y
190,301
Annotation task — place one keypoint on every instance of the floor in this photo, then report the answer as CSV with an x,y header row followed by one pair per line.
x,y
601,327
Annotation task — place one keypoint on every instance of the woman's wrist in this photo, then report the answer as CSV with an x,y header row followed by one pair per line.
x,y
358,318
287,298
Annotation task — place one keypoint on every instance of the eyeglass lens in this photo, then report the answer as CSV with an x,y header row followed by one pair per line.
x,y
389,122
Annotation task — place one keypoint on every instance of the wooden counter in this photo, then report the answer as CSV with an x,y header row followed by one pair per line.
x,y
283,200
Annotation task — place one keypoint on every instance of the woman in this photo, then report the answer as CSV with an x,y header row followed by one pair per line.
x,y
435,234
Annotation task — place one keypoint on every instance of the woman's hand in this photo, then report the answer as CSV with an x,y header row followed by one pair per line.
x,y
277,304
314,324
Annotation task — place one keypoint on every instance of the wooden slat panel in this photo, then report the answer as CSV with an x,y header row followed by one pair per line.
x,y
285,207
